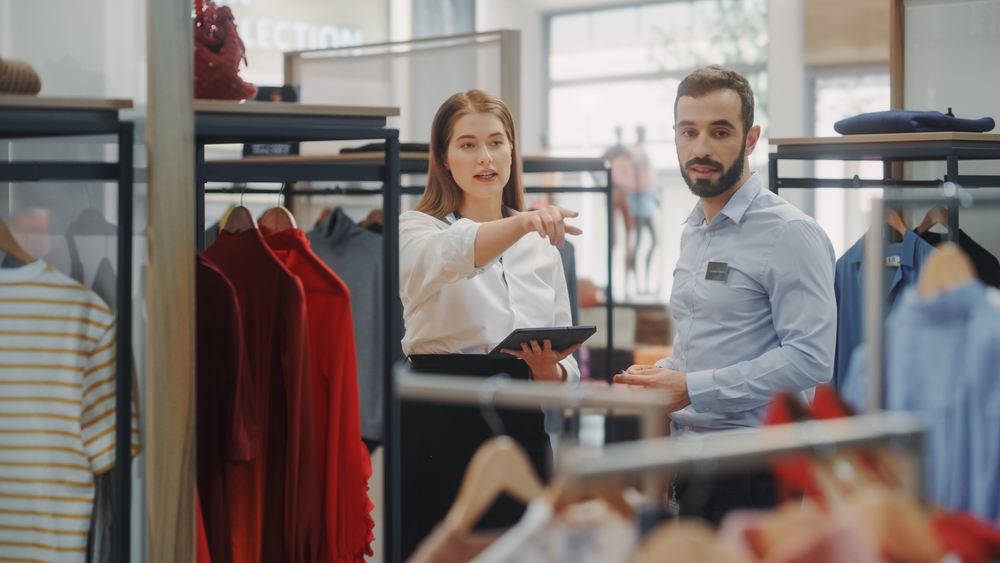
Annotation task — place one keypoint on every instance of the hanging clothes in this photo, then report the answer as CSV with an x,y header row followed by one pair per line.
x,y
344,465
355,255
849,288
225,405
57,413
275,513
204,555
941,358
987,265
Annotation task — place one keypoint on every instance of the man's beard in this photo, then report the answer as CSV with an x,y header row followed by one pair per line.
x,y
707,188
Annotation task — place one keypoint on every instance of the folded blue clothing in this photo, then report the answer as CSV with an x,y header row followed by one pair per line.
x,y
903,121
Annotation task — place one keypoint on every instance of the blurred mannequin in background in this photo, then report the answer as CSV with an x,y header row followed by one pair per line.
x,y
642,205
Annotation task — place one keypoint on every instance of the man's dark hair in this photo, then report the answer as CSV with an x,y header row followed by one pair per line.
x,y
713,78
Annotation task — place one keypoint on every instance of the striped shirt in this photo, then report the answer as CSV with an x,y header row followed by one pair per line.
x,y
57,412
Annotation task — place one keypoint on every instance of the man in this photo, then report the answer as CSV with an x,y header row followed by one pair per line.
x,y
752,297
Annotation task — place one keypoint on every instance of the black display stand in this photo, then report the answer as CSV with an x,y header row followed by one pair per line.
x,y
223,123
35,118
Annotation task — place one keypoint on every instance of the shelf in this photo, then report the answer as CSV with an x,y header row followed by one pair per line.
x,y
34,102
285,108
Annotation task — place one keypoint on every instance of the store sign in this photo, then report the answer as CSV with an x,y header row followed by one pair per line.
x,y
279,34
270,28
286,35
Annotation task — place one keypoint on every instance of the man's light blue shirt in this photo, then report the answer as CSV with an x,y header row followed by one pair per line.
x,y
770,325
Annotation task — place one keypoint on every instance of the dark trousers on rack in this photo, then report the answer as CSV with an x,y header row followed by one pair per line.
x,y
712,498
437,442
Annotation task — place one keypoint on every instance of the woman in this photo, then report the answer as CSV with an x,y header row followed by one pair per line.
x,y
471,272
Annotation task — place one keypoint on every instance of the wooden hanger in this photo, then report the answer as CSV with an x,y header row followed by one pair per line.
x,y
935,216
562,493
946,267
895,220
499,466
240,219
373,218
683,540
278,219
9,245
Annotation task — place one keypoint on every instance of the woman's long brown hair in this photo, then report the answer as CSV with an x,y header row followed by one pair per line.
x,y
442,195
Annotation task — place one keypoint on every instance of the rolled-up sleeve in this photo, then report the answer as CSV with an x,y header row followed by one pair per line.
x,y
798,276
431,257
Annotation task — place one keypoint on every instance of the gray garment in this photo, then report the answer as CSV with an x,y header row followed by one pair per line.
x,y
355,255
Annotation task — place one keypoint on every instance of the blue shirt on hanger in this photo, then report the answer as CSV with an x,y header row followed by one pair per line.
x,y
849,287
754,308
943,360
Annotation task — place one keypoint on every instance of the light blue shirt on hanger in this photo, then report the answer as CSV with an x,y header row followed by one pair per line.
x,y
754,308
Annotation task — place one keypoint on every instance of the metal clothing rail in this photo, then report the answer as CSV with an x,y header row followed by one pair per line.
x,y
22,117
225,122
950,195
652,405
735,452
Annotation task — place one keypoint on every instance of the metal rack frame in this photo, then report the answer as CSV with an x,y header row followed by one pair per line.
x,y
215,124
65,118
951,148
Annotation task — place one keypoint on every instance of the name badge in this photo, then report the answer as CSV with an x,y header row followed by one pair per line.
x,y
717,271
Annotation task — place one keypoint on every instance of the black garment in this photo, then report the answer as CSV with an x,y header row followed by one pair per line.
x,y
438,441
903,121
987,265
713,498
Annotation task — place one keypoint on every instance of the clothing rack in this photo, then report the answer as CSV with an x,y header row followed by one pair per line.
x,y
950,195
231,122
218,122
734,452
651,405
24,117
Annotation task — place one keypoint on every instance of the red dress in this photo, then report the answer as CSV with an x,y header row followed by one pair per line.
x,y
227,431
275,513
343,459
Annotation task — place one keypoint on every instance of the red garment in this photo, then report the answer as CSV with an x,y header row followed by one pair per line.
x,y
343,459
973,539
275,513
226,428
203,555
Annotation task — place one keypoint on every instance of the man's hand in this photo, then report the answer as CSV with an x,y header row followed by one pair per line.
x,y
543,360
674,382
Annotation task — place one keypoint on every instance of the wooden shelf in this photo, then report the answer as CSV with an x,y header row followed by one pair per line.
x,y
284,108
34,102
885,138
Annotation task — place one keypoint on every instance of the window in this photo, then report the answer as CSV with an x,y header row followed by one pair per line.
x,y
618,68
845,213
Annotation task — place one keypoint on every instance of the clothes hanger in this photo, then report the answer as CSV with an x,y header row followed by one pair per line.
x,y
681,541
324,215
935,216
947,267
278,218
373,218
239,219
562,493
10,246
498,466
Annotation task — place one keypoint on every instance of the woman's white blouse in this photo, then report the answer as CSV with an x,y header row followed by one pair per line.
x,y
452,307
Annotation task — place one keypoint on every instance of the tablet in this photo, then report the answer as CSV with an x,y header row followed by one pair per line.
x,y
562,337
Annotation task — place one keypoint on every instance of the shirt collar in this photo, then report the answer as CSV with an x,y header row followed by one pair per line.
x,y
737,205
905,250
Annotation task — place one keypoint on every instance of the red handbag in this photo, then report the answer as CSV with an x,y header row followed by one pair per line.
x,y
218,51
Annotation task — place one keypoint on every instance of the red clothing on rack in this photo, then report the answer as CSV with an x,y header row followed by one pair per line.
x,y
343,459
225,408
203,554
276,515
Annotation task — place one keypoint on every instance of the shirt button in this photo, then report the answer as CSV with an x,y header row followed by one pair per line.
x,y
687,428
694,274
